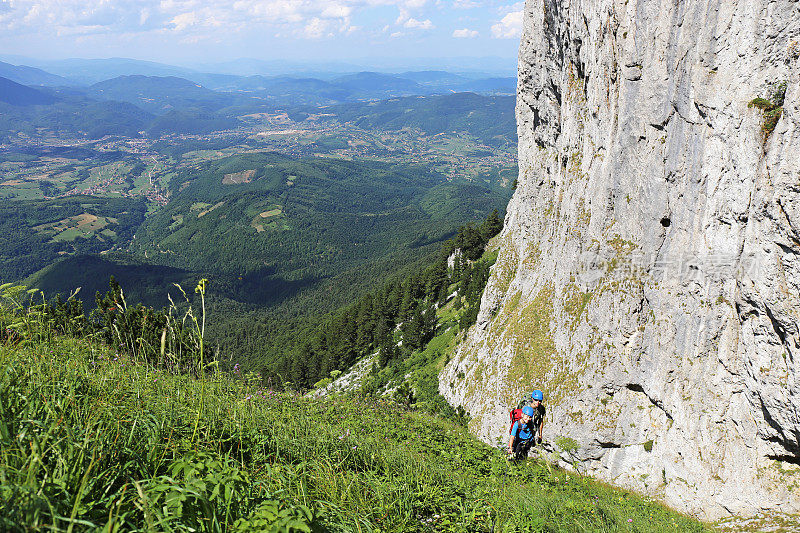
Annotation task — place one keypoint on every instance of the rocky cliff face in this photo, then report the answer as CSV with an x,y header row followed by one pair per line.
x,y
649,274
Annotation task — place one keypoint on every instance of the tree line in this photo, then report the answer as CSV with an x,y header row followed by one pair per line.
x,y
396,319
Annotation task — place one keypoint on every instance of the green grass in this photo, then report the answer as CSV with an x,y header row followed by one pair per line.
x,y
68,235
92,440
24,191
141,183
199,206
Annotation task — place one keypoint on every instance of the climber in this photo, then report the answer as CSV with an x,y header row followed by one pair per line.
x,y
527,423
522,434
537,397
534,400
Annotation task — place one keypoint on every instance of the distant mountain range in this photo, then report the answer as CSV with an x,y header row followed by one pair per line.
x,y
360,85
20,95
247,75
99,69
88,71
24,109
128,104
159,94
30,75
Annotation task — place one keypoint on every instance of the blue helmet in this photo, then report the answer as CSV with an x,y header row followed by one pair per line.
x,y
527,410
537,395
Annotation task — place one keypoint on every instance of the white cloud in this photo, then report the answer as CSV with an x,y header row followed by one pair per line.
x,y
184,20
509,27
503,10
465,33
316,28
336,11
144,14
466,4
419,24
130,15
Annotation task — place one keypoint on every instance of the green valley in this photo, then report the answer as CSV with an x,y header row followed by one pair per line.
x,y
290,214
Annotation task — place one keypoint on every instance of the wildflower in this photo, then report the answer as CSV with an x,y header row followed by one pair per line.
x,y
630,519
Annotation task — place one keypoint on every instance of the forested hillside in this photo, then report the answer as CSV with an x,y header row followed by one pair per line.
x,y
34,234
19,95
160,94
283,241
269,214
72,114
394,320
30,75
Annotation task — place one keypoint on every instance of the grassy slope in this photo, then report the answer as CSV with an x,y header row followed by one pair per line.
x,y
100,441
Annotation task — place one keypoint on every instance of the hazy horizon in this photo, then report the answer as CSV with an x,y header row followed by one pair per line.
x,y
476,65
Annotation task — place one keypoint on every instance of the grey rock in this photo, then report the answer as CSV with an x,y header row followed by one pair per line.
x,y
649,270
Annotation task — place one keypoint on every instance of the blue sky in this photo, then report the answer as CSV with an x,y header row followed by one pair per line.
x,y
191,31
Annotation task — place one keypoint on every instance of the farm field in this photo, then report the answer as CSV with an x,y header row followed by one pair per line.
x,y
84,225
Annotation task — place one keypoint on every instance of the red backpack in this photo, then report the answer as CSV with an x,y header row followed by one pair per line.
x,y
514,415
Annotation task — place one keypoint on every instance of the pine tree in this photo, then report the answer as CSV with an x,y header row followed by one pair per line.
x,y
413,329
365,323
407,303
436,276
429,323
491,226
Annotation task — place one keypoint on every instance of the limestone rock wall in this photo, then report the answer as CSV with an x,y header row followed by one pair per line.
x,y
649,274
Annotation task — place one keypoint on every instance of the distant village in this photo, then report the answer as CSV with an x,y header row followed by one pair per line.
x,y
453,154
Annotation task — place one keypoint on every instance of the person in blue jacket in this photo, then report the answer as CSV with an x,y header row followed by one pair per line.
x,y
522,433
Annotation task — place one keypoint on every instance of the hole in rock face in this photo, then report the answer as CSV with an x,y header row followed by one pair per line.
x,y
665,222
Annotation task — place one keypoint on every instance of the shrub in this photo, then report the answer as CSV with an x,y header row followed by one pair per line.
x,y
772,108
